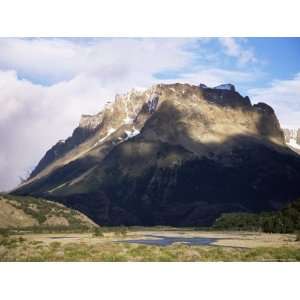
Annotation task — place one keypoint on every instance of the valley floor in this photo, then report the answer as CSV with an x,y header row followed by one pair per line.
x,y
144,244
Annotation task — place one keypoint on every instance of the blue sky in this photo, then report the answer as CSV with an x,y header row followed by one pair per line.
x,y
281,55
273,59
47,83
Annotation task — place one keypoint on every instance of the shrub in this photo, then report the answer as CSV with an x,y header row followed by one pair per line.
x,y
98,232
237,221
4,232
122,231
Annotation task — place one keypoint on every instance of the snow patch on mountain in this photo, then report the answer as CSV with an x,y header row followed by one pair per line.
x,y
293,143
131,134
152,102
109,132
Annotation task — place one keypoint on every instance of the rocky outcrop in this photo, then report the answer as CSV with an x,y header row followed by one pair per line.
x,y
174,154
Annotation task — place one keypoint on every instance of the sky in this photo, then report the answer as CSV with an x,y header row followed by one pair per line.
x,y
47,83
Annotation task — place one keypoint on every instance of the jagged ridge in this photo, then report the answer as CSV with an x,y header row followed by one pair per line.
x,y
172,155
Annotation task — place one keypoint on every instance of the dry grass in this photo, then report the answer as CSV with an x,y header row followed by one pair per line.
x,y
89,247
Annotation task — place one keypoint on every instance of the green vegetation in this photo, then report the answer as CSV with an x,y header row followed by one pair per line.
x,y
116,230
121,231
286,220
4,233
10,243
98,232
238,221
45,230
40,208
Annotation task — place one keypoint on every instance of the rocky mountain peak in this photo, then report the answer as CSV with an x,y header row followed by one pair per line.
x,y
91,121
227,87
174,154
263,107
195,117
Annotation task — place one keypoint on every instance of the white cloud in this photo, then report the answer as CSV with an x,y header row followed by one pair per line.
x,y
61,59
213,76
284,97
34,117
235,49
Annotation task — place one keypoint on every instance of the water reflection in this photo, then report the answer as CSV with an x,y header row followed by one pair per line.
x,y
159,240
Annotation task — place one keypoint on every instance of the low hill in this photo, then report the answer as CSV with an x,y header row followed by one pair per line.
x,y
24,212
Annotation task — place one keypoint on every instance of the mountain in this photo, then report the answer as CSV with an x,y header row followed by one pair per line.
x,y
292,138
24,212
174,154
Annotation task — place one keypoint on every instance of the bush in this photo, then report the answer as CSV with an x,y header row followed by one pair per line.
x,y
123,231
298,236
4,232
120,231
237,221
98,232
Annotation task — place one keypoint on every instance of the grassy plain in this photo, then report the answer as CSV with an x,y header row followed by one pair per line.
x,y
109,244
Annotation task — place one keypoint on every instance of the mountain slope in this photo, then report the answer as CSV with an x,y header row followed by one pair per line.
x,y
22,212
172,155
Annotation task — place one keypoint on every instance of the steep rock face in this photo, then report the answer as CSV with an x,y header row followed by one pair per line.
x,y
93,137
62,147
173,155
